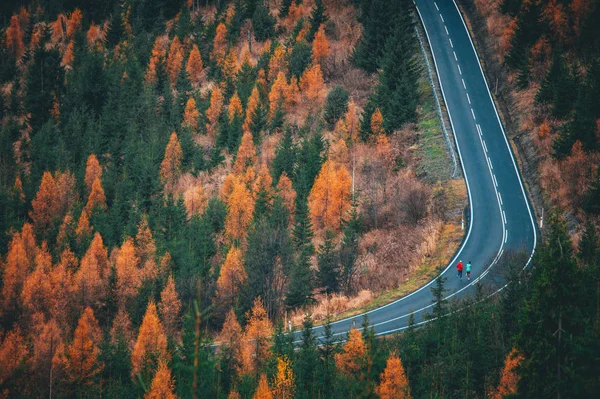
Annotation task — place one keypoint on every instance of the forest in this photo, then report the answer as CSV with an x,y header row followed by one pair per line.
x,y
179,178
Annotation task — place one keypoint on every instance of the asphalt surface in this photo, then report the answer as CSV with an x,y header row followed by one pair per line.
x,y
500,214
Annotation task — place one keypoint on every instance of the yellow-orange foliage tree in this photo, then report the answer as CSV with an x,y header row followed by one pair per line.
x,y
36,287
231,341
190,115
277,93
92,273
246,156
229,66
253,103
320,47
14,38
235,106
96,199
277,63
83,362
15,270
284,385
213,112
313,86
220,43
231,277
194,67
96,36
48,358
509,377
240,210
329,199
352,358
377,123
352,122
93,171
129,276
256,341
393,383
151,343
162,386
145,250
170,167
122,329
13,352
174,60
263,391
45,204
159,53
170,307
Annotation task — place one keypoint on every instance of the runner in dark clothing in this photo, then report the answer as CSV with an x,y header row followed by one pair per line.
x,y
459,267
468,270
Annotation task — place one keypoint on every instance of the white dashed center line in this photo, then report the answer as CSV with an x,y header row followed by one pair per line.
x,y
446,30
442,17
464,85
473,113
436,7
456,59
506,236
485,146
500,197
459,71
451,45
468,98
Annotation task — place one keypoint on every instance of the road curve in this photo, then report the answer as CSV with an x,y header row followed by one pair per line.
x,y
501,216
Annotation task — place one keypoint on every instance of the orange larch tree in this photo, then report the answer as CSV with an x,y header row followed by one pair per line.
x,y
253,103
352,358
174,60
190,115
377,123
145,250
329,199
286,192
66,62
14,38
509,377
162,386
92,273
16,268
352,122
229,66
313,86
58,29
246,156
36,294
235,106
122,329
48,358
220,43
393,383
194,67
96,36
84,229
170,307
283,385
233,394
231,341
320,47
61,283
170,167
263,391
231,277
277,63
240,210
151,343
93,171
13,351
129,276
277,93
214,111
96,199
195,200
257,337
263,184
159,53
83,362
45,204
292,93
74,23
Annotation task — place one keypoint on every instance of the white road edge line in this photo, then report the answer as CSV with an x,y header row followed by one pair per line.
x,y
485,146
500,196
506,237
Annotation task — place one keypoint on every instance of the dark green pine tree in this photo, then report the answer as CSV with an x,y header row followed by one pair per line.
x,y
526,34
283,341
592,197
234,133
589,245
326,366
299,58
284,8
439,293
305,364
303,232
300,289
396,93
317,18
551,321
285,156
115,28
259,122
329,267
311,156
558,88
349,248
245,80
378,19
263,23
44,79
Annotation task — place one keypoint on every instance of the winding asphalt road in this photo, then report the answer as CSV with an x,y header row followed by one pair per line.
x,y
501,216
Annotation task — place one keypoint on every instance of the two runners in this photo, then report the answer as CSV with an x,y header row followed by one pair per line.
x,y
459,269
